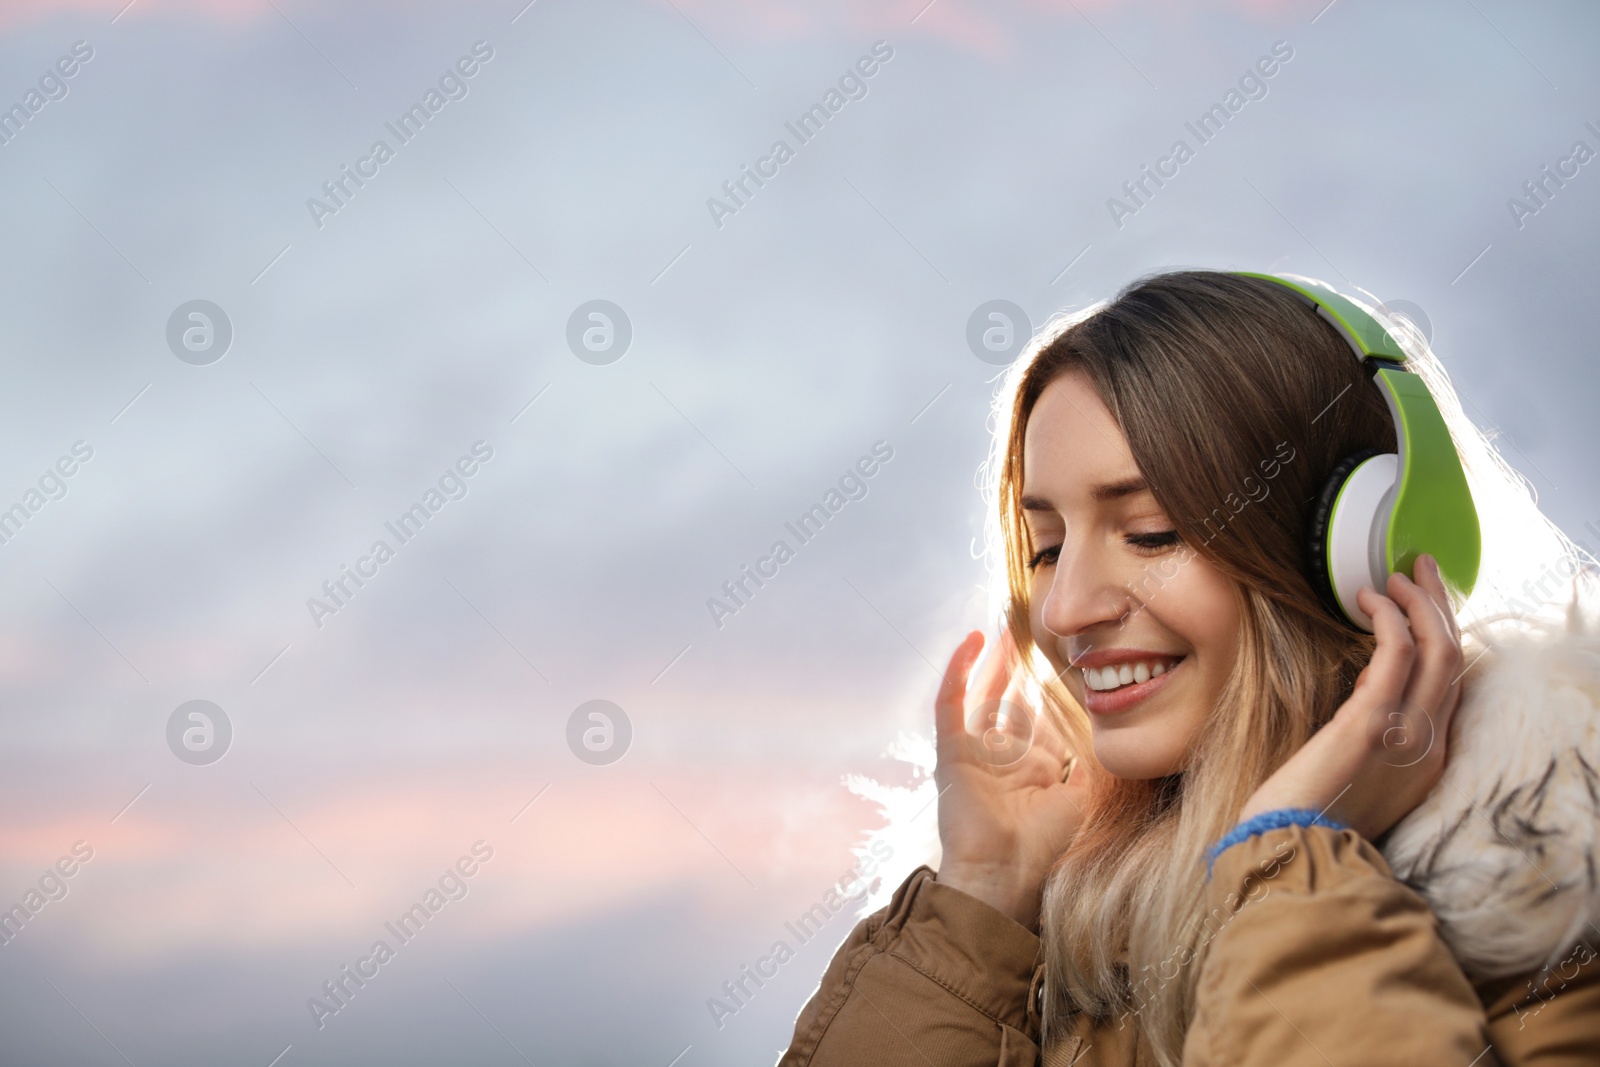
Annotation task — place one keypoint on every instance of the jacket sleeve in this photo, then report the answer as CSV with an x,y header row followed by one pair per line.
x,y
1550,1017
936,976
1319,955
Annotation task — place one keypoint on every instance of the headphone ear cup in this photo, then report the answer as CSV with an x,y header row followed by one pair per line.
x,y
1321,519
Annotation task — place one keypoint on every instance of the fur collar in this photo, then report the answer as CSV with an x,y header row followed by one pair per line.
x,y
1504,848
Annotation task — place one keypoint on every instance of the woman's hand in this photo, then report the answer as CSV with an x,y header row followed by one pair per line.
x,y
1001,827
1384,749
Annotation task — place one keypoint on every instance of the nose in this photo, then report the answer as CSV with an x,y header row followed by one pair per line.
x,y
1086,590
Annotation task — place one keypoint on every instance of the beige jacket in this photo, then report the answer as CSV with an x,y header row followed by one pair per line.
x,y
1323,958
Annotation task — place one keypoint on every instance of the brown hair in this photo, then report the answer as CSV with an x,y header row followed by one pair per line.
x,y
1236,401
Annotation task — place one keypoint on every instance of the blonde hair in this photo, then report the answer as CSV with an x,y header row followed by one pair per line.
x,y
1208,373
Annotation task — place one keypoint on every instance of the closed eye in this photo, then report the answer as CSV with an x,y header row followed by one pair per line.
x,y
1152,542
1146,543
1044,555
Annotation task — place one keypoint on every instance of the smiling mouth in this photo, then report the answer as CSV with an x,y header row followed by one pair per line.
x,y
1119,676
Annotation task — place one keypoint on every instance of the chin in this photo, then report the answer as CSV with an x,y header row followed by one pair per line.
x,y
1135,753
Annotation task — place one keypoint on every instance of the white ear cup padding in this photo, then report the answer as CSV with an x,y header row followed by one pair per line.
x,y
1357,530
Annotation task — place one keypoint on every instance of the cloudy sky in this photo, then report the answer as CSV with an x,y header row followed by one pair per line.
x,y
252,378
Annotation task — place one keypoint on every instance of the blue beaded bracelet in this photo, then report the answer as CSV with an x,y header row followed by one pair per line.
x,y
1268,820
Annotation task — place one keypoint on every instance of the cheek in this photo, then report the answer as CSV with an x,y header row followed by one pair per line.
x,y
1204,612
1201,606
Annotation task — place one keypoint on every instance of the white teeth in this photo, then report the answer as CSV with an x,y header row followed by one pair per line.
x,y
1103,679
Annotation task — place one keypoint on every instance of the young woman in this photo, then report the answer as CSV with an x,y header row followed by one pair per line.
x,y
1243,832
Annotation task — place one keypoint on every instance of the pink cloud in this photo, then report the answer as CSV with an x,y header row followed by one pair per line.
x,y
16,13
976,27
206,868
990,30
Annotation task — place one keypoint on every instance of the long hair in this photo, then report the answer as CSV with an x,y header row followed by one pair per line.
x,y
1236,402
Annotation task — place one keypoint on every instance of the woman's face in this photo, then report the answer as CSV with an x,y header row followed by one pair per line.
x,y
1142,630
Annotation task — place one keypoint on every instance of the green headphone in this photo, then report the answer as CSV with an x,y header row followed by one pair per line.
x,y
1378,511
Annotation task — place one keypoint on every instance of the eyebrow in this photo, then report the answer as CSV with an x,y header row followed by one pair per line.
x,y
1100,493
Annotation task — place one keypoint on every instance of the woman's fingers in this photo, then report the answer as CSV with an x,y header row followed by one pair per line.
x,y
1437,671
950,706
1385,676
1428,576
994,673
